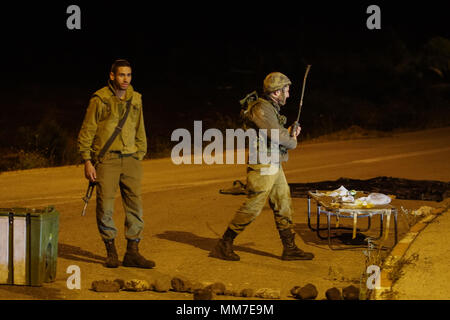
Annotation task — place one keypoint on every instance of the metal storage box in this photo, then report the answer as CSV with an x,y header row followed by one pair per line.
x,y
28,245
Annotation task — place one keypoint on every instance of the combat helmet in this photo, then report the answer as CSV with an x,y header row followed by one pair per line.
x,y
275,81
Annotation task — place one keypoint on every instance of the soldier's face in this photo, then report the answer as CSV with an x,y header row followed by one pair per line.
x,y
283,94
122,78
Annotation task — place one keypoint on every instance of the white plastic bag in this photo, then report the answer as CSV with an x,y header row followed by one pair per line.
x,y
341,191
378,199
348,199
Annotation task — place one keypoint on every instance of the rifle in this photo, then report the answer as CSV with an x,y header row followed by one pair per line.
x,y
88,196
296,123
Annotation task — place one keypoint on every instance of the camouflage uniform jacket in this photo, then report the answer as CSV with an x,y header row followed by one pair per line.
x,y
265,114
103,115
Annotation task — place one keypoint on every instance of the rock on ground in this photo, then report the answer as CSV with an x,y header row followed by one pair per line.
x,y
180,284
333,294
203,294
162,283
267,293
308,292
217,288
350,293
247,293
137,285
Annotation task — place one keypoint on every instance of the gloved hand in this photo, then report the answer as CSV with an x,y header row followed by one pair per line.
x,y
295,129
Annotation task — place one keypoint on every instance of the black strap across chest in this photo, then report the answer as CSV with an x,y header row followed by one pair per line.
x,y
116,132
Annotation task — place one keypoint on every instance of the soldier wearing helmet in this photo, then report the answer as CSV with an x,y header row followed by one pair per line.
x,y
262,182
274,83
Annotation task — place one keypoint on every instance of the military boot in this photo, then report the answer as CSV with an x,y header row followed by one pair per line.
x,y
290,249
112,260
224,248
132,257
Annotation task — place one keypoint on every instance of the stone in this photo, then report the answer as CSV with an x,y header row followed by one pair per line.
x,y
217,288
423,211
180,284
308,292
350,293
267,293
437,211
194,286
294,290
105,286
247,293
121,283
203,294
228,292
162,283
333,294
235,293
137,285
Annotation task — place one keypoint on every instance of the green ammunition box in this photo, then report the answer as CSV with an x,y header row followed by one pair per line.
x,y
28,245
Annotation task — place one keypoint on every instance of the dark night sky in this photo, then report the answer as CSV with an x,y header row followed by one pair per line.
x,y
193,36
185,53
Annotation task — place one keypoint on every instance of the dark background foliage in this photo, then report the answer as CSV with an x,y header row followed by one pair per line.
x,y
195,61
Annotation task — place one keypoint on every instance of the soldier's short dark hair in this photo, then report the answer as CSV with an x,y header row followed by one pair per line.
x,y
119,63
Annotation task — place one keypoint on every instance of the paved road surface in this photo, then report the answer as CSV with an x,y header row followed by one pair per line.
x,y
185,214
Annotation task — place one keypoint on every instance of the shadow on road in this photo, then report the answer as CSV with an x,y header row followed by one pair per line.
x,y
310,237
343,240
206,244
69,252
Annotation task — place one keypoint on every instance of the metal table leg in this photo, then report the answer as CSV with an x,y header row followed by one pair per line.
x,y
395,225
309,213
381,225
318,222
329,229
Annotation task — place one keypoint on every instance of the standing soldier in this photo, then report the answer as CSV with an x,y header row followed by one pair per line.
x,y
120,165
264,114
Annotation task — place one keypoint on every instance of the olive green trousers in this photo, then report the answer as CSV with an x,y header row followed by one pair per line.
x,y
261,187
122,172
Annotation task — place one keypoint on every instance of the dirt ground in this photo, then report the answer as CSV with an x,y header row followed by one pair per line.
x,y
425,275
185,215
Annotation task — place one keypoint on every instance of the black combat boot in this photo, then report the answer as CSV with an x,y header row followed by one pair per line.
x,y
290,249
112,260
132,257
224,248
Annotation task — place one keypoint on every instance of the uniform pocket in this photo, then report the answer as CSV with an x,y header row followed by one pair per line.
x,y
134,112
105,112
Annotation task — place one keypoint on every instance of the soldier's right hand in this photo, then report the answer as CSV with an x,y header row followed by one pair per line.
x,y
297,129
89,171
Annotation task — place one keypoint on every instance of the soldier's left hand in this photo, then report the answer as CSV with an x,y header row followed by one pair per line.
x,y
297,132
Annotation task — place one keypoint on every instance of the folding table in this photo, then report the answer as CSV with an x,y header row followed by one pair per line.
x,y
334,206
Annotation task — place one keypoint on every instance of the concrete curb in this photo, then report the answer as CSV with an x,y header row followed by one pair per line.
x,y
399,251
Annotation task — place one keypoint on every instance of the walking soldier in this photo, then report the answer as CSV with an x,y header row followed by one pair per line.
x,y
262,182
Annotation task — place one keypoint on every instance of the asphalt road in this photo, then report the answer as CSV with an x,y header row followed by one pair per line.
x,y
185,214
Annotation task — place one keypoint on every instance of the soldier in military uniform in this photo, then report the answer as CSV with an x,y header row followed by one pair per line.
x,y
271,184
120,167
